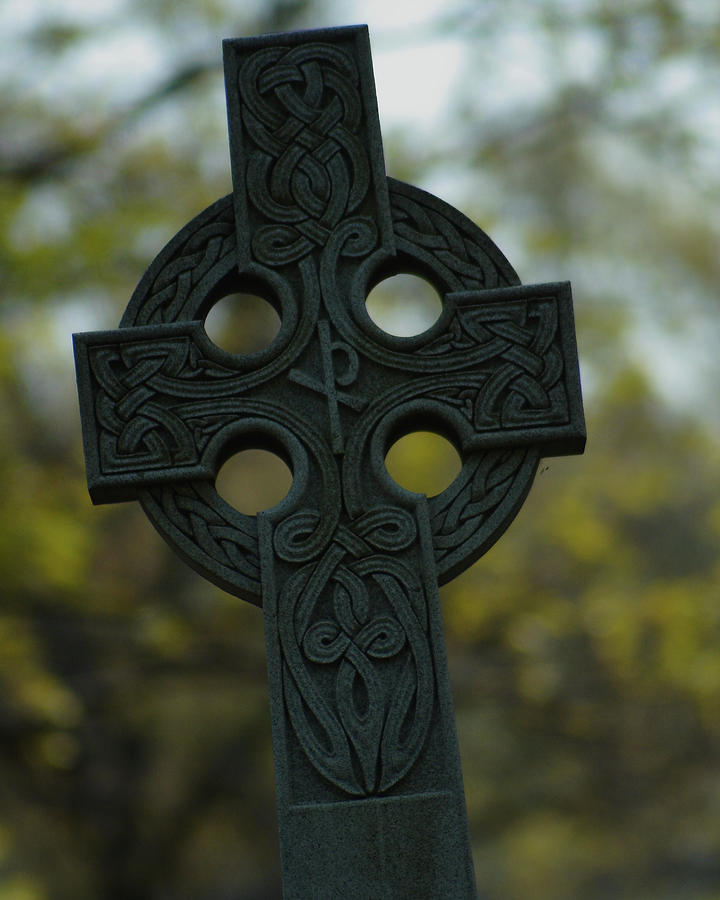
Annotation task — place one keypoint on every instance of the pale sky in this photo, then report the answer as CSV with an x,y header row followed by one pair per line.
x,y
416,73
130,56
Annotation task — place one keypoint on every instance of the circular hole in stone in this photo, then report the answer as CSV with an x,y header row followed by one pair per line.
x,y
242,323
404,305
423,462
253,480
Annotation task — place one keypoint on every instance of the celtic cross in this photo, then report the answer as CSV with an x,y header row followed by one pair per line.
x,y
347,566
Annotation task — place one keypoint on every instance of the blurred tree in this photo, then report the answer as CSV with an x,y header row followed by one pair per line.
x,y
586,653
585,647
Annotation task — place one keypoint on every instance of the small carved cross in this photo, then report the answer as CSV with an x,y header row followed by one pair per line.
x,y
347,566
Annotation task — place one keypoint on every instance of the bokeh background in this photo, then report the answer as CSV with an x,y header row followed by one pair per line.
x,y
584,136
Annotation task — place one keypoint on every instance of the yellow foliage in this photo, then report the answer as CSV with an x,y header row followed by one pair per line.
x,y
423,462
22,887
28,686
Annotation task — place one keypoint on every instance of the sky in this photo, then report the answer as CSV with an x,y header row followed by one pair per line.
x,y
131,56
406,54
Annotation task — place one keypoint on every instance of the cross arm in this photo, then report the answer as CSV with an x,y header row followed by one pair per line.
x,y
155,406
518,356
498,374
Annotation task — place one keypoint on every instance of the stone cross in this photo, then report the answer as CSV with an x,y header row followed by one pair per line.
x,y
347,566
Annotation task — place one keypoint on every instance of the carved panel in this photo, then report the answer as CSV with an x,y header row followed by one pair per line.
x,y
358,675
306,140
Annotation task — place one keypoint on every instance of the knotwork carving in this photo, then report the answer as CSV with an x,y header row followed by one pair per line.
x,y
358,674
524,380
205,249
446,241
135,431
499,337
307,169
151,403
208,533
469,516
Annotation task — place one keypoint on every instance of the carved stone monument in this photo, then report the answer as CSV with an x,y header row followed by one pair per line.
x,y
347,566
